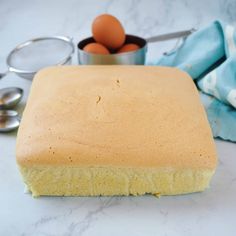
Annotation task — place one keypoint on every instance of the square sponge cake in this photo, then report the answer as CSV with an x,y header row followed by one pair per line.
x,y
114,130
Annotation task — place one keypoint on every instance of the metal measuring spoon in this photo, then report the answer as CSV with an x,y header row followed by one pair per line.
x,y
10,97
9,120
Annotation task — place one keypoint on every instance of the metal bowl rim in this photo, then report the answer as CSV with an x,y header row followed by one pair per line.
x,y
28,42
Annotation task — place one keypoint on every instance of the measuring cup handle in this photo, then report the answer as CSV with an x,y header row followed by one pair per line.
x,y
163,37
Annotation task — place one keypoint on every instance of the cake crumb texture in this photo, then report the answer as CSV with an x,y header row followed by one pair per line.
x,y
74,181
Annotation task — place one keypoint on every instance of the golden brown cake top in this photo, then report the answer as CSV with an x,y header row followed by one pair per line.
x,y
122,116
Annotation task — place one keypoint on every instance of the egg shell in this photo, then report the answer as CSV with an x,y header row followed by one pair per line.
x,y
108,31
96,48
128,48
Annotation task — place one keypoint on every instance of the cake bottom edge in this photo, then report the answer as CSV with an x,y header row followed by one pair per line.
x,y
113,181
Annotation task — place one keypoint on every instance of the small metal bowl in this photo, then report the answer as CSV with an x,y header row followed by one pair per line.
x,y
129,58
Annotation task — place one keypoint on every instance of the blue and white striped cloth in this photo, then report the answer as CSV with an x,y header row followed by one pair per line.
x,y
209,57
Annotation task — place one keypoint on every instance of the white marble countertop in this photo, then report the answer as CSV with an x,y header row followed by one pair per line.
x,y
212,212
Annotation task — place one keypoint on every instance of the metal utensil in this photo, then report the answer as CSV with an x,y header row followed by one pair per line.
x,y
9,120
10,97
129,58
29,57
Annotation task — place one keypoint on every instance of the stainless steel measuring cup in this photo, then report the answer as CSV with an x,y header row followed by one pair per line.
x,y
129,58
29,57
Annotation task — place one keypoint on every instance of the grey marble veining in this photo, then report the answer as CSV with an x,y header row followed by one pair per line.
x,y
212,212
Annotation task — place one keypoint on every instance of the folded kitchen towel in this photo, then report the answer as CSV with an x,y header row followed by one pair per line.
x,y
209,57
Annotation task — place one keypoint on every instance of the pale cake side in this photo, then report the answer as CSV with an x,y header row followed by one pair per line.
x,y
109,181
114,130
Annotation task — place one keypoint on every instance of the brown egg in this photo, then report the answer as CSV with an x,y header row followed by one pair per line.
x,y
96,48
128,48
108,31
